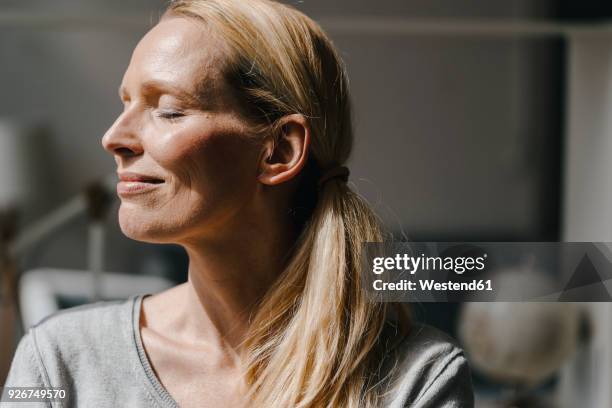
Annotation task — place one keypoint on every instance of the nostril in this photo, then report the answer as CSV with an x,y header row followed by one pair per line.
x,y
124,151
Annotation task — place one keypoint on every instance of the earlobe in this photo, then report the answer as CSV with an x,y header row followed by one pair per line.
x,y
286,153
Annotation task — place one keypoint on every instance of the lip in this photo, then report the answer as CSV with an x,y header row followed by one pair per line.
x,y
135,183
138,177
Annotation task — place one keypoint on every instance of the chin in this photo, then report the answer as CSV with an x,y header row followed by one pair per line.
x,y
138,226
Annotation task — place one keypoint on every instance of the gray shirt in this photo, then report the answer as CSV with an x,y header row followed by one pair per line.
x,y
95,353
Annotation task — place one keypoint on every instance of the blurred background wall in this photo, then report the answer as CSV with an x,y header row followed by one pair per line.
x,y
456,137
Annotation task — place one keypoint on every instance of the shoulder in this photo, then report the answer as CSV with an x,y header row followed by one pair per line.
x,y
426,345
89,323
71,342
74,341
429,369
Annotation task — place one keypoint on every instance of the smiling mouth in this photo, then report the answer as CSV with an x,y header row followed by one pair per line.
x,y
132,183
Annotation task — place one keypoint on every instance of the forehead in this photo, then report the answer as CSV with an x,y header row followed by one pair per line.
x,y
178,50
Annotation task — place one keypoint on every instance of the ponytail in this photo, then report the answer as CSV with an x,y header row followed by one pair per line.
x,y
319,348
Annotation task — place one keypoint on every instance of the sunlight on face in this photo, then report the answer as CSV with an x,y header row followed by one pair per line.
x,y
186,160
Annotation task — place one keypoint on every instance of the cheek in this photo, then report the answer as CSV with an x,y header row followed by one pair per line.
x,y
209,162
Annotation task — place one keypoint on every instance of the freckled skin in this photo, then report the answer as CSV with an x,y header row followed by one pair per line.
x,y
207,158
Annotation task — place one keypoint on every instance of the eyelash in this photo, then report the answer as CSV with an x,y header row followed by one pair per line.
x,y
171,115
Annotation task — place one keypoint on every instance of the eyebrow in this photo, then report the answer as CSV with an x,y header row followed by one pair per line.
x,y
155,87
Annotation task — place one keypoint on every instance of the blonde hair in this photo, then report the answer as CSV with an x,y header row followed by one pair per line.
x,y
313,339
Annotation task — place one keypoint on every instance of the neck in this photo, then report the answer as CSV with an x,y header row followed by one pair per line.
x,y
228,276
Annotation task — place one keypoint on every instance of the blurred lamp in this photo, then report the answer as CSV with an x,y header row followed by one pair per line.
x,y
16,165
15,187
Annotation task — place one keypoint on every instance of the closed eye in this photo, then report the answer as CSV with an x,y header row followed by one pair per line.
x,y
170,115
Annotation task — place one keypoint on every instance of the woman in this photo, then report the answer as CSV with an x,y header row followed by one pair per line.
x,y
235,127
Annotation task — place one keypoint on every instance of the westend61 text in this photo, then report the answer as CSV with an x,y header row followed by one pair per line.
x,y
430,284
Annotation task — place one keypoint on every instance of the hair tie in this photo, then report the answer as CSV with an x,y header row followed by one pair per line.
x,y
337,172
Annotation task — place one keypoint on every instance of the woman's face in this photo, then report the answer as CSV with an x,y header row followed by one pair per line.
x,y
186,161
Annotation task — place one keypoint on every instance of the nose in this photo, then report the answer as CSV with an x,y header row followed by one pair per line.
x,y
122,138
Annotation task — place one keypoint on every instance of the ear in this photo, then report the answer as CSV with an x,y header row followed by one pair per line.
x,y
285,155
